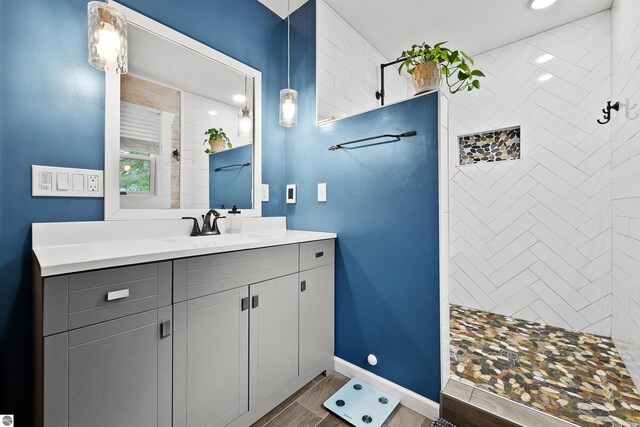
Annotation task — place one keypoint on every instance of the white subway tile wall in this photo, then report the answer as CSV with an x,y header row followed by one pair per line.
x,y
626,183
197,119
531,238
348,69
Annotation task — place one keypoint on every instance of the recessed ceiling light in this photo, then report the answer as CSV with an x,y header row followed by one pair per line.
x,y
213,112
238,97
540,4
545,77
544,58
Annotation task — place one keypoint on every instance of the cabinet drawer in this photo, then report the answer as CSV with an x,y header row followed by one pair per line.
x,y
205,275
82,299
317,254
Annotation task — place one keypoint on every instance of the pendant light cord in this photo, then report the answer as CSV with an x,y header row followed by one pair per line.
x,y
288,43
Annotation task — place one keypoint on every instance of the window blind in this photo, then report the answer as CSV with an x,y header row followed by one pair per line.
x,y
140,129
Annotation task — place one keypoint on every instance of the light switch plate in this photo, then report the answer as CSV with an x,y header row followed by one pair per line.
x,y
322,192
291,194
265,192
52,181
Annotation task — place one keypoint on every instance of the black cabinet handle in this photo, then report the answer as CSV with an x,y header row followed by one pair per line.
x,y
244,304
254,301
319,254
303,286
165,329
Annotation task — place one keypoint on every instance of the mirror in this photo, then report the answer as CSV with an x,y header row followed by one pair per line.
x,y
182,128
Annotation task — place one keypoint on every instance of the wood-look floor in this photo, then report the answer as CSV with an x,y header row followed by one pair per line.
x,y
304,408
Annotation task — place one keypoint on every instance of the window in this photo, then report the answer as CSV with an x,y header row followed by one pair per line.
x,y
140,146
136,173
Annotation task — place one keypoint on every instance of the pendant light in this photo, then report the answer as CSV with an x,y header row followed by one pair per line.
x,y
245,121
288,96
107,37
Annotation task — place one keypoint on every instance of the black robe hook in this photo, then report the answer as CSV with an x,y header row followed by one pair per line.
x,y
607,112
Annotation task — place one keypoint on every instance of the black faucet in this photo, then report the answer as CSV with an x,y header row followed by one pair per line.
x,y
195,231
208,228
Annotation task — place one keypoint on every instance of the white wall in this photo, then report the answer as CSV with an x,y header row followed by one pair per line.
x,y
348,69
626,183
194,161
531,238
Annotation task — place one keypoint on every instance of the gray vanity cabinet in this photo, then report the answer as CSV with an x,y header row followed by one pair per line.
x,y
213,340
211,366
112,373
316,316
274,337
104,347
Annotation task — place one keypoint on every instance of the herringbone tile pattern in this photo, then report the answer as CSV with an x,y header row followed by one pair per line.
x,y
626,183
532,238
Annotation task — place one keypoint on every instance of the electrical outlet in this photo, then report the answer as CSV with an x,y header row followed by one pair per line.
x,y
93,185
265,192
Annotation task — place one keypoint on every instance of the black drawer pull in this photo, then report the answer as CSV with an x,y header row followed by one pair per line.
x,y
254,301
244,304
319,254
303,286
165,329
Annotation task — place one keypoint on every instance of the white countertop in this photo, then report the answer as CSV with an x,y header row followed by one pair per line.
x,y
60,253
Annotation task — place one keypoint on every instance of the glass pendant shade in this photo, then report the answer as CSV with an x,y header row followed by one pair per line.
x,y
107,38
288,108
245,122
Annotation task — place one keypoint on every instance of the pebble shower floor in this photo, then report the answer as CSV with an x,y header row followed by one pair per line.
x,y
573,376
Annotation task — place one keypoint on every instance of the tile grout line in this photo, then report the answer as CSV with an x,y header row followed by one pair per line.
x,y
295,401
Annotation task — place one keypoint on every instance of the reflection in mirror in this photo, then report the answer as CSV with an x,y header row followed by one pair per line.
x,y
186,129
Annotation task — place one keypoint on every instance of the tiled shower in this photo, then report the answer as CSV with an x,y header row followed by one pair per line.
x,y
553,238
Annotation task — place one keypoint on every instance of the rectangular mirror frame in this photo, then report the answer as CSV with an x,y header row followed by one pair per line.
x,y
112,210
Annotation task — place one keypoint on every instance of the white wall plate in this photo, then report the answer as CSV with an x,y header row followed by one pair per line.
x,y
291,193
51,181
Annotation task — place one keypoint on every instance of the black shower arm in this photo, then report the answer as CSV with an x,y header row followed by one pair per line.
x,y
380,93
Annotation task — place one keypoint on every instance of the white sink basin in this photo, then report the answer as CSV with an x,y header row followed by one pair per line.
x,y
212,241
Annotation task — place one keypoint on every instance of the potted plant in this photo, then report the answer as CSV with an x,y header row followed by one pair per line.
x,y
216,140
427,64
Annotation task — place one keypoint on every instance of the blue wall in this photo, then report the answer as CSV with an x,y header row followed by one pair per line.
x,y
232,186
53,114
383,203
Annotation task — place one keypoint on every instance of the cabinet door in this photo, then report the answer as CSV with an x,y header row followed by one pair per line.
x,y
274,337
316,316
211,366
112,373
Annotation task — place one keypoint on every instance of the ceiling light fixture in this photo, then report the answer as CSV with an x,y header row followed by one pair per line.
x,y
245,122
107,31
544,58
540,4
240,98
213,112
545,77
288,96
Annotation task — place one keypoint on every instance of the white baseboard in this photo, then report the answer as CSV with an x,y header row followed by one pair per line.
x,y
408,398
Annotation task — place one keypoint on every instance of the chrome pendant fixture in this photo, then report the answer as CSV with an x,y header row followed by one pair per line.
x,y
245,119
288,96
107,38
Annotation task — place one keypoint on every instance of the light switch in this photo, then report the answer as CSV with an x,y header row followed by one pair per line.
x,y
62,181
77,182
322,192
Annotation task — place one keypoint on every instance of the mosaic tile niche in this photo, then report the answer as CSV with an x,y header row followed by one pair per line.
x,y
488,147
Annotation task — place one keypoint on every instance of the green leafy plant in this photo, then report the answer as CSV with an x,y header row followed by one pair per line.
x,y
213,135
455,65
